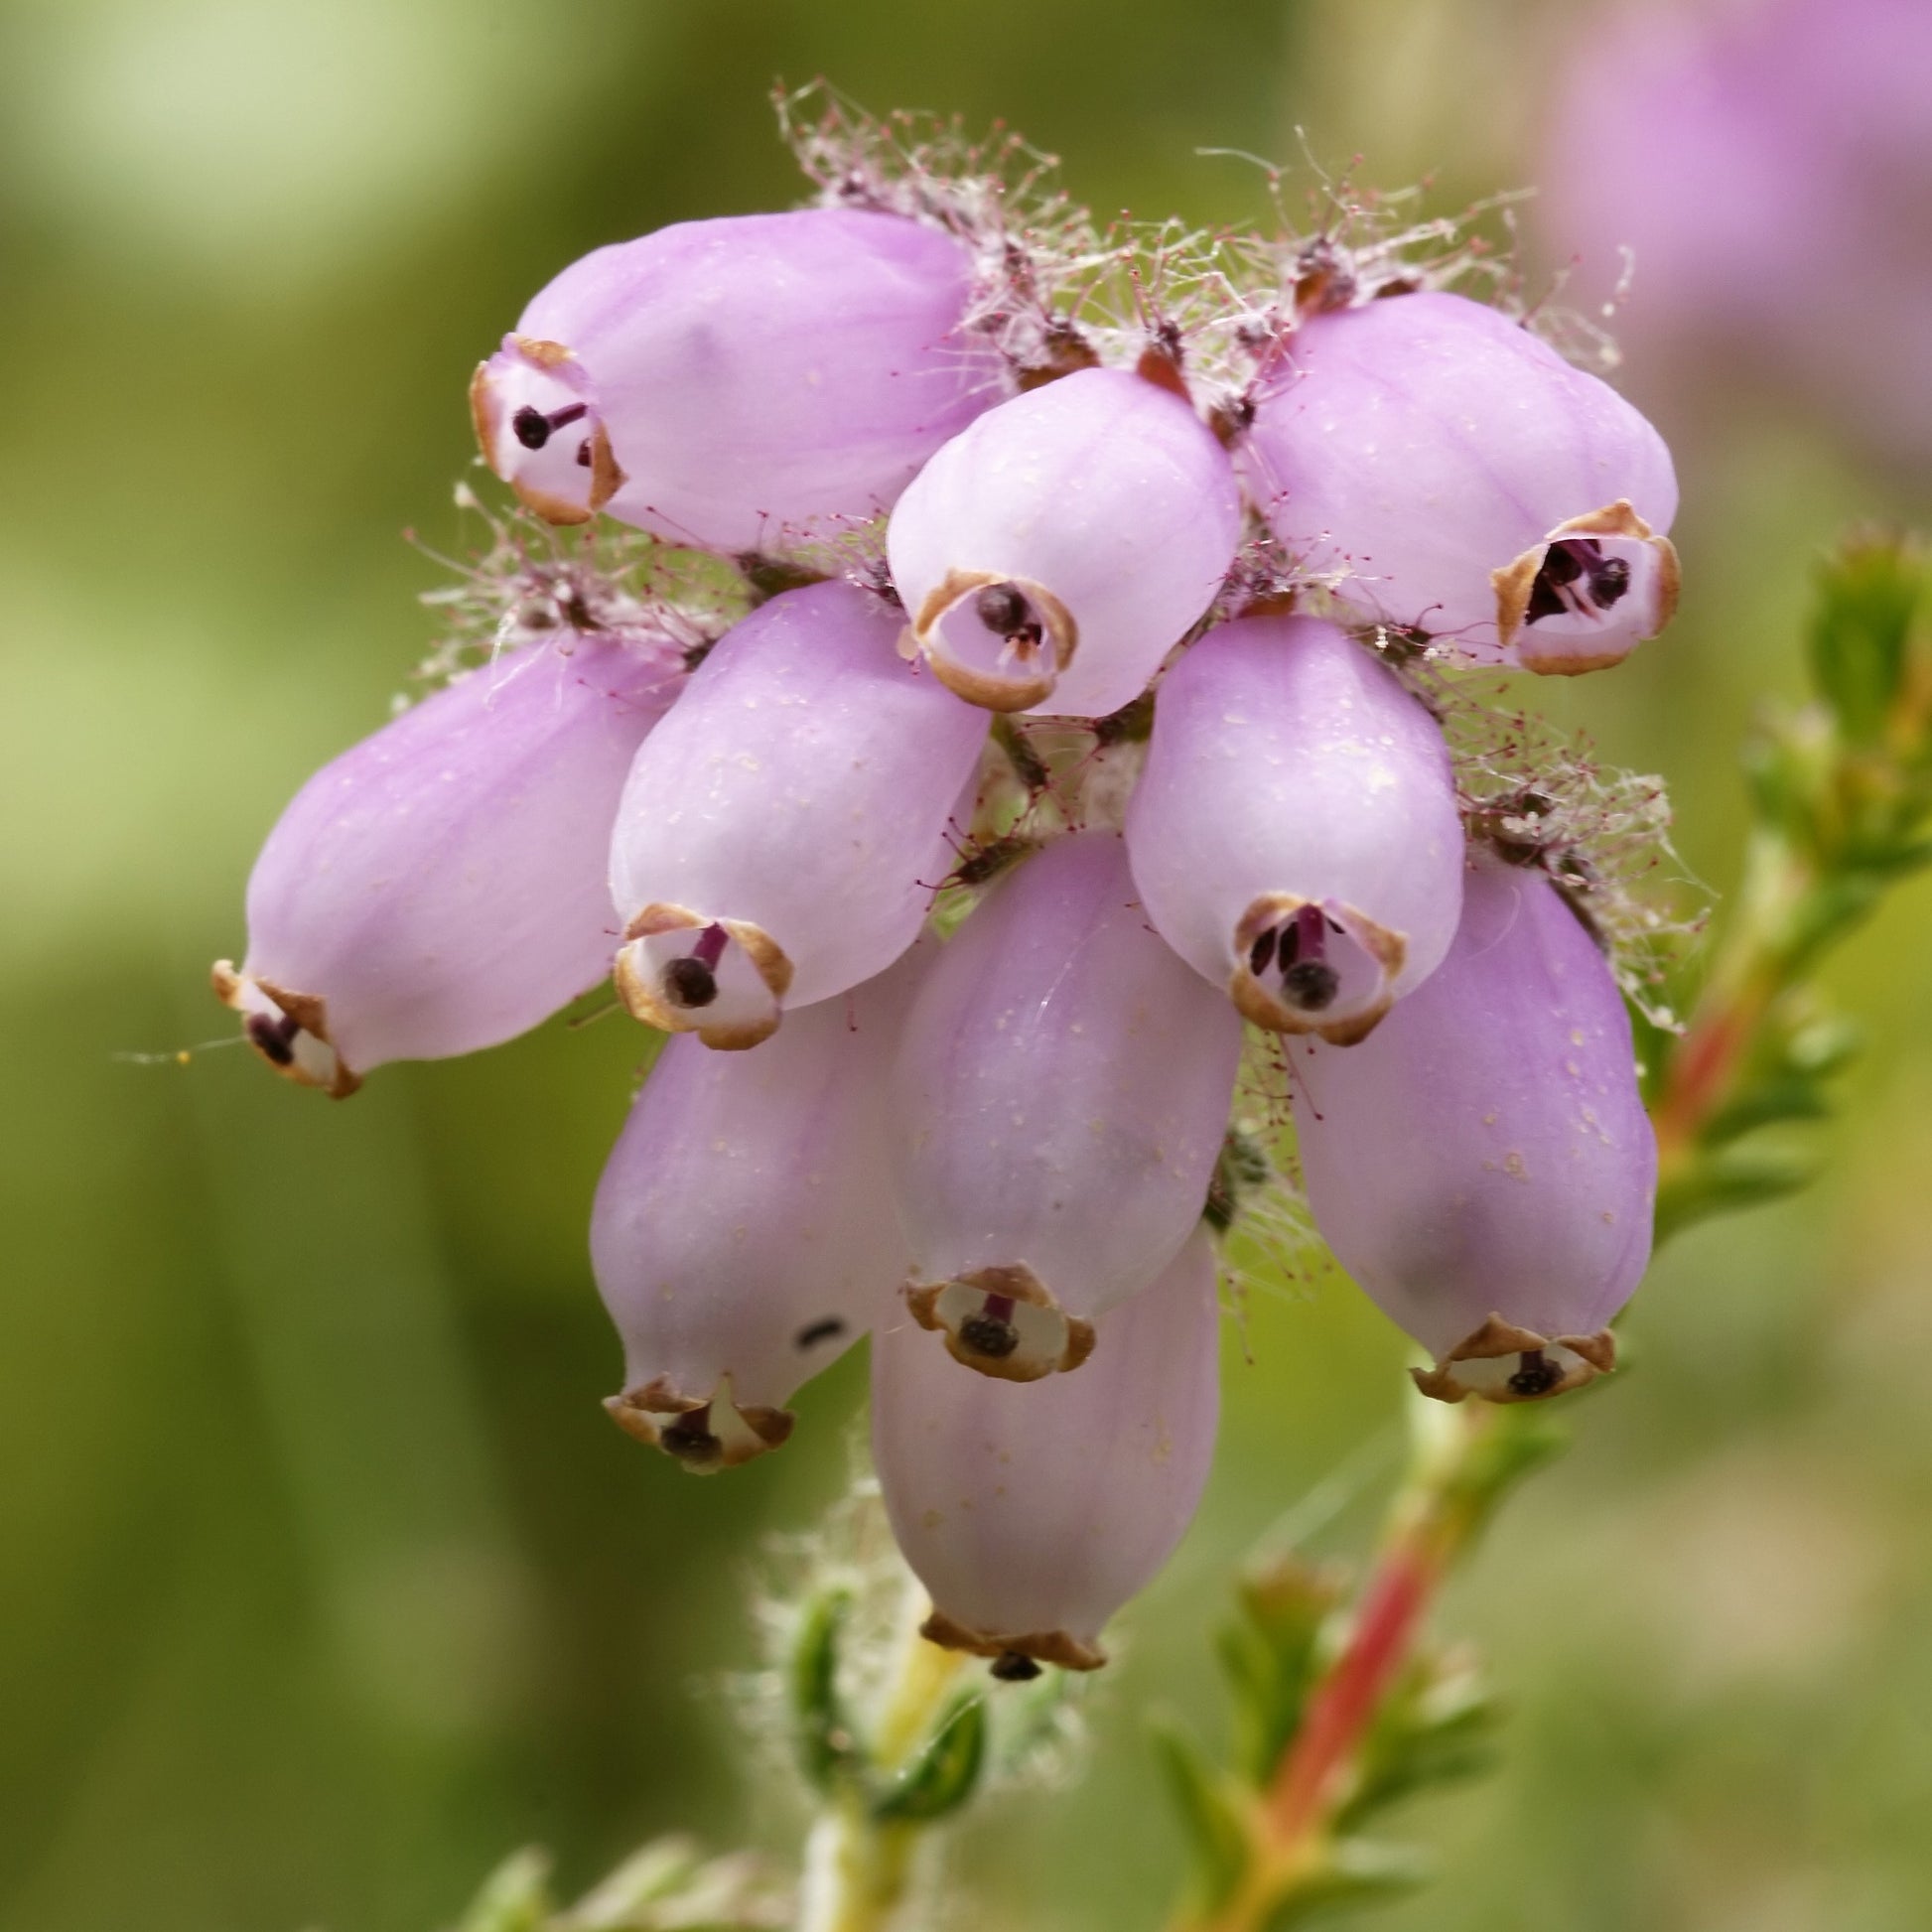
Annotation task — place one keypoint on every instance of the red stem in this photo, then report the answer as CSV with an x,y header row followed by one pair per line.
x,y
1346,1702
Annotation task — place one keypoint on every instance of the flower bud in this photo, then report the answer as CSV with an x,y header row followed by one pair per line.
x,y
742,1237
1033,1514
440,887
1483,1165
721,383
1295,835
1469,483
782,834
1053,553
1059,1102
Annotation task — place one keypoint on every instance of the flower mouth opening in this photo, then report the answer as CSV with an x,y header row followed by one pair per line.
x,y
1017,1654
1588,594
1313,966
540,434
289,1031
1001,1321
1503,1363
723,980
705,1434
1001,643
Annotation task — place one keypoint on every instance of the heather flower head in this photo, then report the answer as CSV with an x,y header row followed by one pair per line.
x,y
1033,1513
1295,835
1210,521
783,1147
780,840
440,888
1057,1105
729,384
1053,554
1460,481
1482,1166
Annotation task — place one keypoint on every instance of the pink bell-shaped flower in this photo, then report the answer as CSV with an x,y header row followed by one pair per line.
x,y
1463,481
1053,554
1032,1514
744,1234
782,838
729,384
1295,834
1059,1102
440,888
1483,1165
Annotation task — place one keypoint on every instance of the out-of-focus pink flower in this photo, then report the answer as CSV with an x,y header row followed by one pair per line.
x,y
1769,167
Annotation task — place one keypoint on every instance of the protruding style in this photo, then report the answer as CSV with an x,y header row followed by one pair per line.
x,y
1483,1165
1295,835
1053,554
744,1234
1059,1102
737,383
440,887
1033,1514
782,835
1462,480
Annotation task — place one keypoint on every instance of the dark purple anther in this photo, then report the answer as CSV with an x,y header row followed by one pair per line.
x,y
991,1332
693,980
1535,1374
689,1439
1609,581
1577,576
1261,954
274,1039
535,429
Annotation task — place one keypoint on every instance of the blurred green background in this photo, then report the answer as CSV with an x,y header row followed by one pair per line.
x,y
324,1580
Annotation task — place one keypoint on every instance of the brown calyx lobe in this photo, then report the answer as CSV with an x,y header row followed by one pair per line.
x,y
1040,1646
1502,1362
704,1433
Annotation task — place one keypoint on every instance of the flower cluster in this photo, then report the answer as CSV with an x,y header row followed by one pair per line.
x,y
1074,740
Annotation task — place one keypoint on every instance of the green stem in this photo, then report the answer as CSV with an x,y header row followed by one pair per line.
x,y
859,1869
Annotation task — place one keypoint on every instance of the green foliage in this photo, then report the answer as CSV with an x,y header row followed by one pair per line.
x,y
1268,1654
944,1771
1214,1809
1356,1874
821,1730
1841,795
667,1886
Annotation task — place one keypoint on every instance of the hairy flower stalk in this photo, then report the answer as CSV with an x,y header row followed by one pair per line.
x,y
732,383
1462,480
1482,1166
1032,1514
781,837
1295,834
738,1239
1055,552
1058,1103
440,888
